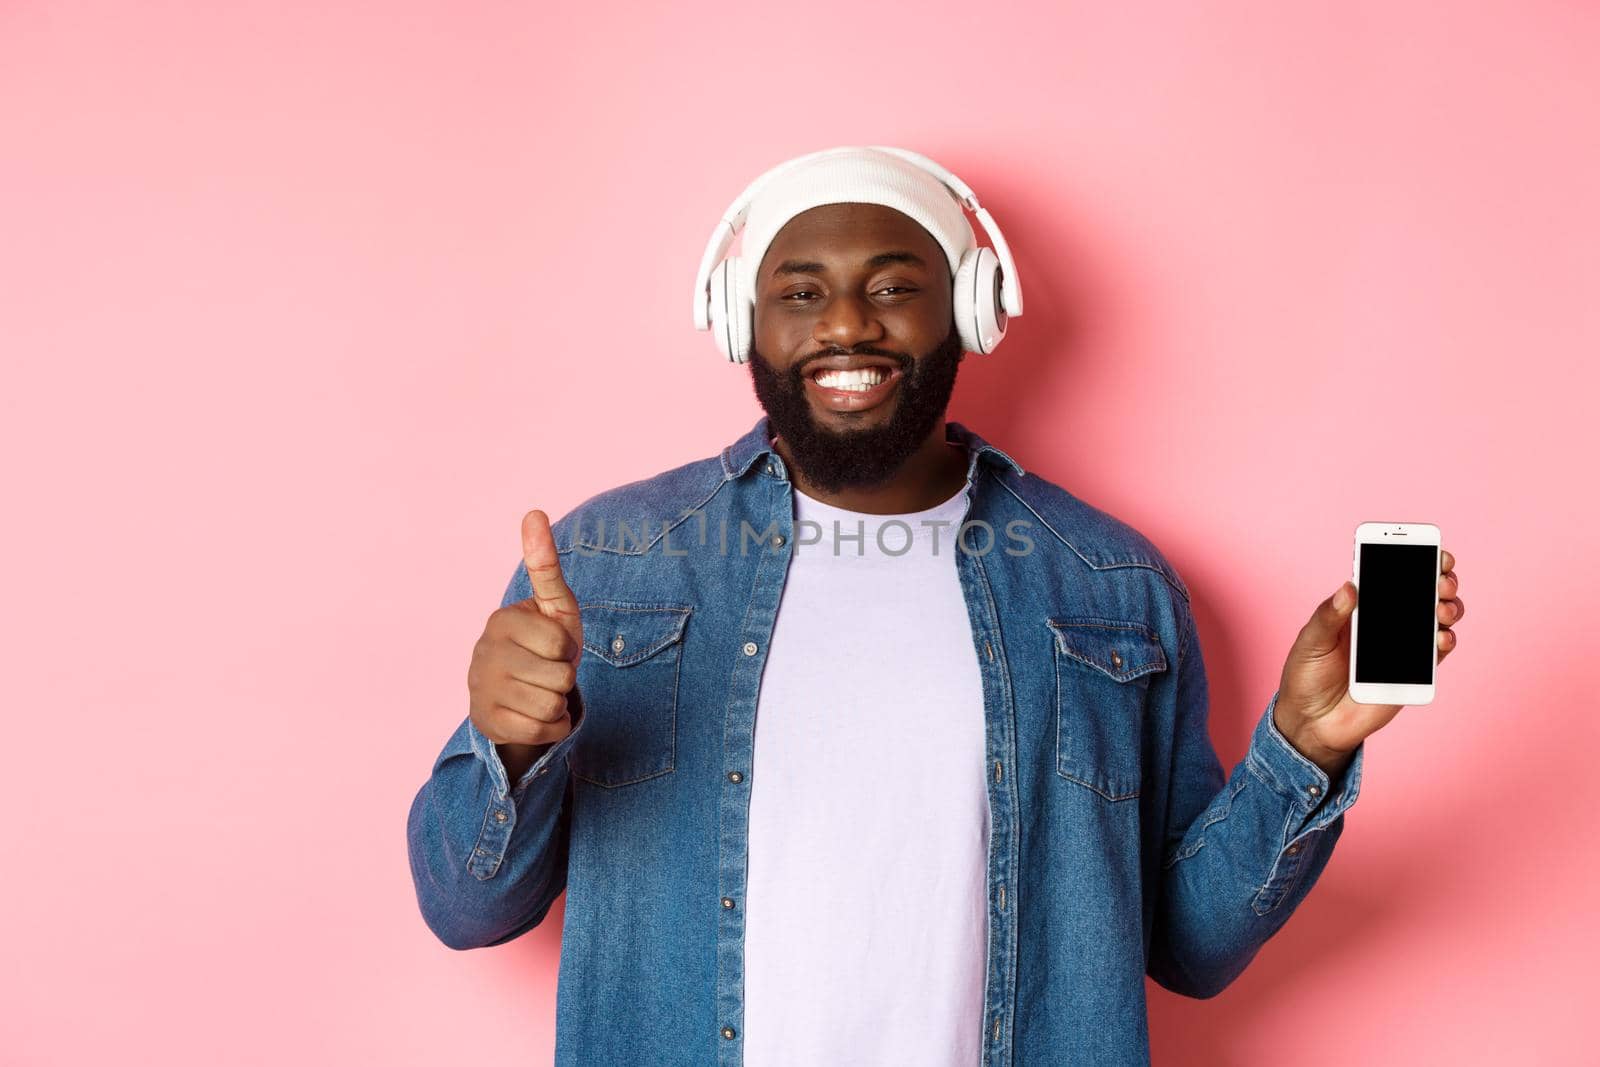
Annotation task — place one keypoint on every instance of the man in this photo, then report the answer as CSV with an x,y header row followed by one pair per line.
x,y
829,776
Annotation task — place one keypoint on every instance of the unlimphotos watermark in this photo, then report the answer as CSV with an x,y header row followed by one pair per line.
x,y
892,537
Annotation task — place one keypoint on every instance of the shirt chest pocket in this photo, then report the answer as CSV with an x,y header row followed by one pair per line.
x,y
1103,672
628,679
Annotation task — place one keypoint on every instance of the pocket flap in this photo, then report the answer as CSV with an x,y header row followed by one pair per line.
x,y
1121,650
623,634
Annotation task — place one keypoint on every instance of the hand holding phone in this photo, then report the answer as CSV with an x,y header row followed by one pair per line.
x,y
1340,685
1394,631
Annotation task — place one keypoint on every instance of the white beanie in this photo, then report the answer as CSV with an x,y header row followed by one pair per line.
x,y
853,174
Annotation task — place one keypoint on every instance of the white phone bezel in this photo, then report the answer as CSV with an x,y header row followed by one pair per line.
x,y
1379,533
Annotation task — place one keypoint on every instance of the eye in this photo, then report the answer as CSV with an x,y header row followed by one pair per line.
x,y
896,290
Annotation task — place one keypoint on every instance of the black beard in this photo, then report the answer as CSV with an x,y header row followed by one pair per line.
x,y
859,458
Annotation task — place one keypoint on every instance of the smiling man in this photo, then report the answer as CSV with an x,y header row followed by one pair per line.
x,y
858,742
856,401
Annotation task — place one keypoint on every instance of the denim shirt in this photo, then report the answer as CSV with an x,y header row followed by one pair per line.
x,y
1118,846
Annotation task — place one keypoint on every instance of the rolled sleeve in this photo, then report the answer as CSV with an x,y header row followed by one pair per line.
x,y
508,802
1240,850
1302,783
489,856
1314,809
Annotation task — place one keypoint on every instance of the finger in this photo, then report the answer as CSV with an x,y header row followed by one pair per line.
x,y
1449,585
1447,643
1321,633
557,674
550,589
532,701
513,727
1447,562
540,636
1450,611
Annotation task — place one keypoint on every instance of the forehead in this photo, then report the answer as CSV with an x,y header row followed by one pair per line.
x,y
845,230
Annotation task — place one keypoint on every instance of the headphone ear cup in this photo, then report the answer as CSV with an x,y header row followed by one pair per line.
x,y
975,296
731,312
717,296
742,314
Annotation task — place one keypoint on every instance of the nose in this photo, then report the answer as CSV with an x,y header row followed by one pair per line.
x,y
846,321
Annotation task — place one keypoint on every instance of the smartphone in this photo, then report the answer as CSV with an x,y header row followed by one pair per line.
x,y
1394,631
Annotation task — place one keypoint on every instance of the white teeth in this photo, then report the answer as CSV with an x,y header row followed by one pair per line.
x,y
853,381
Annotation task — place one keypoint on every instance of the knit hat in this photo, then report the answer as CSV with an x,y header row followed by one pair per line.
x,y
853,174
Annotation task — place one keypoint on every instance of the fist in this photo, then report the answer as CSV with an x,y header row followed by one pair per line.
x,y
526,662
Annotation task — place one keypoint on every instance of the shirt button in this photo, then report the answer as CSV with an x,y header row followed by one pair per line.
x,y
777,541
735,777
499,816
617,643
727,1032
727,902
1313,789
1116,660
749,648
1294,850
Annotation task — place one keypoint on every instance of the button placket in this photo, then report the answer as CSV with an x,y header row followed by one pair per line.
x,y
766,592
490,847
1285,875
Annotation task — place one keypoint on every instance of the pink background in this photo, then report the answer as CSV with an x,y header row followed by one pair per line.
x,y
301,310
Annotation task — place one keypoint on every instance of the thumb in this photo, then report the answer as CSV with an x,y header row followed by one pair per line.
x,y
1322,633
553,597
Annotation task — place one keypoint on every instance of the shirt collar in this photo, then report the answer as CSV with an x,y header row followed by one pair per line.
x,y
756,445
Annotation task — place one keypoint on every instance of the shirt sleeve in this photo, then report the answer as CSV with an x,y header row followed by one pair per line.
x,y
489,856
1239,852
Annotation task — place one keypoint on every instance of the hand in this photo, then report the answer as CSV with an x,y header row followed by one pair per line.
x,y
1314,710
526,662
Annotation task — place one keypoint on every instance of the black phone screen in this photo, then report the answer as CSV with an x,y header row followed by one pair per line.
x,y
1396,600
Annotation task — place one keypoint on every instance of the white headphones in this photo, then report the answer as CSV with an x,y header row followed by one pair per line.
x,y
984,292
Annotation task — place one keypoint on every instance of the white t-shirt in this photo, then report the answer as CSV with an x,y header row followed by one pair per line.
x,y
866,933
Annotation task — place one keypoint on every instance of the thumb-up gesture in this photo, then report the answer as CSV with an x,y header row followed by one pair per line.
x,y
526,662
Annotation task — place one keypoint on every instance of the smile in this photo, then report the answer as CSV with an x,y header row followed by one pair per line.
x,y
853,390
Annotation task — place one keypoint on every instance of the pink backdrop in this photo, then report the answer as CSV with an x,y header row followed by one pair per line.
x,y
301,312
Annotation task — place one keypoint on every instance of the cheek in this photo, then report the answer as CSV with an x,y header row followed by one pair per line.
x,y
781,334
923,322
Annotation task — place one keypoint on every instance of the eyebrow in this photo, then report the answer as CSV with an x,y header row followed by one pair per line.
x,y
795,266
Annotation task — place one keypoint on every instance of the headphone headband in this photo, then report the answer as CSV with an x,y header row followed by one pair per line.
x,y
733,221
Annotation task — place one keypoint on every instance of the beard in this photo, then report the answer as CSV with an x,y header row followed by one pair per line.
x,y
831,460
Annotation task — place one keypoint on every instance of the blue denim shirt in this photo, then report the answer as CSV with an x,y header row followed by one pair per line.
x,y
1119,848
